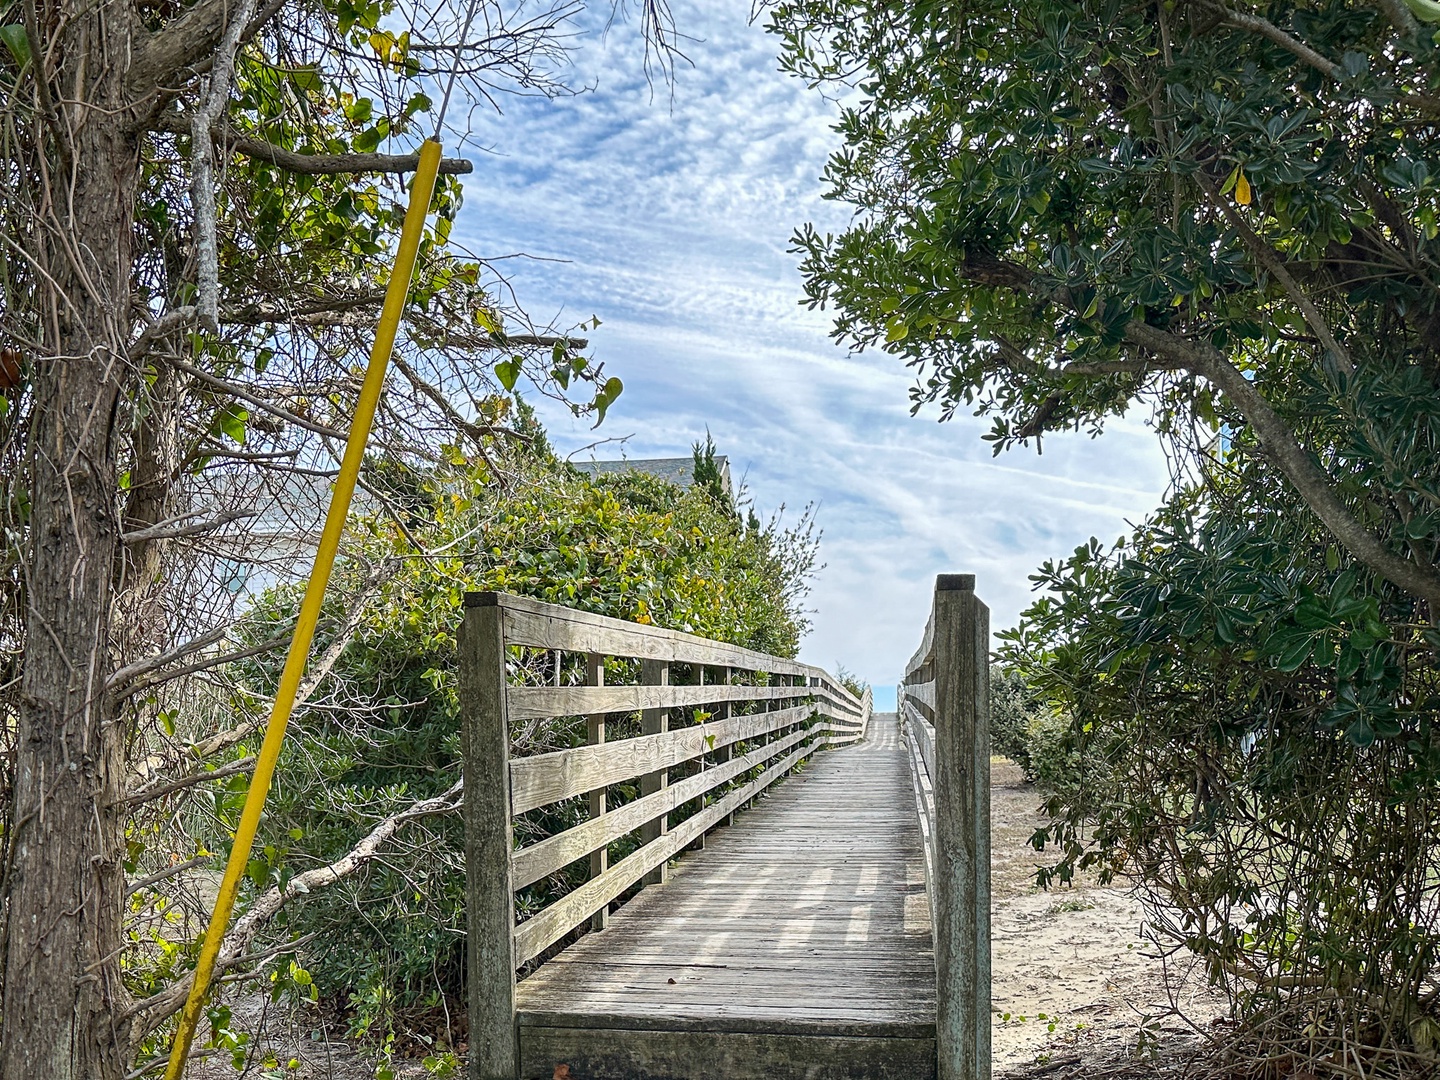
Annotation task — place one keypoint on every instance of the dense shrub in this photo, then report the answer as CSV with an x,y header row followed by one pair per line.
x,y
383,731
1011,709
1243,724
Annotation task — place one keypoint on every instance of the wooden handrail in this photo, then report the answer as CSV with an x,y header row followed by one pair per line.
x,y
767,714
944,711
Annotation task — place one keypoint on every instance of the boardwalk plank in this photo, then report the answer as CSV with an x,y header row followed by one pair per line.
x,y
804,927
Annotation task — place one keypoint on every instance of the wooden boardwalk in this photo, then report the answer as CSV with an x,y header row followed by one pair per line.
x,y
797,944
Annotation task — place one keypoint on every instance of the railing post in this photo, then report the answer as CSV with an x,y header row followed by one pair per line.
x,y
962,829
489,898
595,733
653,722
722,712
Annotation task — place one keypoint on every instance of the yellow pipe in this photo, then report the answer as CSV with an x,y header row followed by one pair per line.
x,y
395,293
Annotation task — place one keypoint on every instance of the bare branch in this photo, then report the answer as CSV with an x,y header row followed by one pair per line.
x,y
153,1011
169,872
213,99
260,403
151,792
131,671
144,683
312,164
169,530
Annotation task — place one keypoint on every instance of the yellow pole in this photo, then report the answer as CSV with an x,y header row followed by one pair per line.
x,y
395,293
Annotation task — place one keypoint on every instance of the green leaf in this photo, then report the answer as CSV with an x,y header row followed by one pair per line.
x,y
232,423
17,41
606,397
508,371
1294,655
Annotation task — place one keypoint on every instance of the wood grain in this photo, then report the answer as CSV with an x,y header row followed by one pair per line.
x,y
532,863
489,898
796,944
546,778
538,933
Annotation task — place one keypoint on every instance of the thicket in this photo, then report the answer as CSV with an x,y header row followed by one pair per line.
x,y
385,946
198,205
1226,215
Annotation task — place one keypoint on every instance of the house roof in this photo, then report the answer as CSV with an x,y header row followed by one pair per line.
x,y
677,470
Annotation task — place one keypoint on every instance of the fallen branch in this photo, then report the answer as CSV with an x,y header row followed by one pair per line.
x,y
146,1015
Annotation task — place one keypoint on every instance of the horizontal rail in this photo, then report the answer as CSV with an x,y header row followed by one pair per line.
x,y
547,778
550,626
545,857
535,935
533,702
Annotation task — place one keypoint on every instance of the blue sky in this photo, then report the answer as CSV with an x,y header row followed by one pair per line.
x,y
667,214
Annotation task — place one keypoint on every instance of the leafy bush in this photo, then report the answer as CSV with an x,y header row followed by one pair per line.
x,y
1243,724
383,733
1011,709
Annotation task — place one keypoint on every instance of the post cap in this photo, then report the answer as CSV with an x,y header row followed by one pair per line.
x,y
481,599
954,582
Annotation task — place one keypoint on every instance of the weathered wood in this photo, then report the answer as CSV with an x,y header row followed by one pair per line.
x,y
922,694
549,626
960,890
676,1055
724,753
594,735
541,931
654,722
532,863
546,778
806,921
925,809
527,702
489,897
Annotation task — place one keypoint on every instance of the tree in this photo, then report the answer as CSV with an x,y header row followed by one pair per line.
x,y
1226,212
193,235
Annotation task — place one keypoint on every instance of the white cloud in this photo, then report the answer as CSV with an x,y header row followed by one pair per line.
x,y
674,216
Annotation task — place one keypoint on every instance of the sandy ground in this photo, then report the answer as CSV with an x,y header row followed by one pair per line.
x,y
1075,983
1076,990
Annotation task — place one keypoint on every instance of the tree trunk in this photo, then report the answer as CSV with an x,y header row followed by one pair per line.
x,y
67,886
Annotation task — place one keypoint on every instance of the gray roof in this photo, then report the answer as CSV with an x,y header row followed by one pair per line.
x,y
677,470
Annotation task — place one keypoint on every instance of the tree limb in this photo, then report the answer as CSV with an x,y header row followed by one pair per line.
x,y
168,872
213,99
1270,259
1319,61
216,383
1275,435
144,682
151,792
312,164
160,59
171,530
150,1013
123,675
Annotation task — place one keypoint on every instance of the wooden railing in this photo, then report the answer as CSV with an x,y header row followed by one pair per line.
x,y
754,717
944,707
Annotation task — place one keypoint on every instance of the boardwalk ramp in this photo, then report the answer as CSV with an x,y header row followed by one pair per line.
x,y
686,860
796,944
